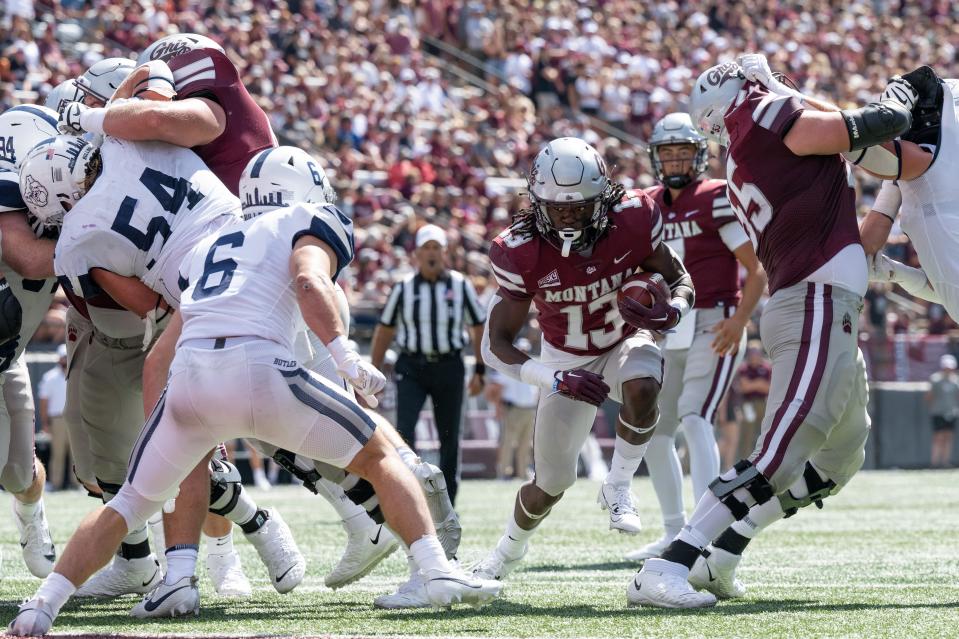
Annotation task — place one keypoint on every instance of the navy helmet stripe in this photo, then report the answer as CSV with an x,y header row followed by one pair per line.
x,y
52,121
255,171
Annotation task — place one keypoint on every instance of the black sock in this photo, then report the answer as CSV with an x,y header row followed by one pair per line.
x,y
731,541
681,553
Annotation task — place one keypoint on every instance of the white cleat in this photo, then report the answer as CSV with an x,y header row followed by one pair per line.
x,y
496,565
650,550
39,554
618,500
448,529
155,524
123,577
226,573
409,595
278,550
715,571
170,600
365,549
659,589
34,619
447,588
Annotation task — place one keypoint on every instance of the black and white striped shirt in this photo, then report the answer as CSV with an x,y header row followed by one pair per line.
x,y
431,317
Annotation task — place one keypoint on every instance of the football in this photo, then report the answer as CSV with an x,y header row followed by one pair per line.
x,y
639,287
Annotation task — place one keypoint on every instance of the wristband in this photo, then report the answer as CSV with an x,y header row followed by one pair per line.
x,y
339,349
536,374
681,305
92,120
888,200
479,368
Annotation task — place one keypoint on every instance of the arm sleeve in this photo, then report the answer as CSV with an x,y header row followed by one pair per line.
x,y
733,235
511,283
392,308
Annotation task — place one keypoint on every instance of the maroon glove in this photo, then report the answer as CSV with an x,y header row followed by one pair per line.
x,y
581,385
660,316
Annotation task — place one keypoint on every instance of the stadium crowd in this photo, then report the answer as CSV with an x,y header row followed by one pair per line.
x,y
371,87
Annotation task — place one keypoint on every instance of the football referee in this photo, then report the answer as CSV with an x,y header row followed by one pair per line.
x,y
428,313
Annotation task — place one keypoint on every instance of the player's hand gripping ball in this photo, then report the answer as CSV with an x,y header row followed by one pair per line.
x,y
643,301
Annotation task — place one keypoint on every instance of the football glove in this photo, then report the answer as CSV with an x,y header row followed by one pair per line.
x,y
661,316
756,69
899,90
362,375
581,385
69,123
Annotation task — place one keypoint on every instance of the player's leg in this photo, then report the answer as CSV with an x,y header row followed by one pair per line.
x,y
797,328
665,471
634,372
446,391
831,468
323,422
79,337
561,427
111,415
706,379
22,473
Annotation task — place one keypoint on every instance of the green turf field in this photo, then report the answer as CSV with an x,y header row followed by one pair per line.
x,y
879,561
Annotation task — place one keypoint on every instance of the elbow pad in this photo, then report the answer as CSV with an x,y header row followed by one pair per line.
x,y
875,123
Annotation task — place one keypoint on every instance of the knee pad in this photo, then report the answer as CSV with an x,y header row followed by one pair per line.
x,y
133,507
223,472
746,477
816,489
224,497
17,477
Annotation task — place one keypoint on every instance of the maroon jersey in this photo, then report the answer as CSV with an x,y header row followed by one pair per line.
x,y
576,295
800,211
207,73
691,227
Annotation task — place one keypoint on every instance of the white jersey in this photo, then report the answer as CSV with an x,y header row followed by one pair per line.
x,y
34,296
238,282
150,206
930,207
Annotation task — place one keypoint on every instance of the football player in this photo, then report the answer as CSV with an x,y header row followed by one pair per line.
x,y
23,304
705,350
207,88
112,193
262,278
569,253
813,436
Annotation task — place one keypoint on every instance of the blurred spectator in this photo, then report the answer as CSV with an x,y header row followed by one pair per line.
x,y
52,393
943,398
515,405
52,331
753,385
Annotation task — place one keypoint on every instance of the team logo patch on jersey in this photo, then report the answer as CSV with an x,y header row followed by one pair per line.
x,y
550,280
847,324
36,193
590,270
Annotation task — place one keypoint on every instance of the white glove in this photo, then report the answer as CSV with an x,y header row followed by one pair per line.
x,y
881,268
756,69
363,376
69,123
899,90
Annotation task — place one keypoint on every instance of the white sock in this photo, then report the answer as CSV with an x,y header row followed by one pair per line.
x,y
137,536
703,453
346,509
55,590
27,511
666,567
710,518
220,545
245,508
180,563
673,524
512,544
429,554
760,516
626,460
259,476
667,477
409,458
359,522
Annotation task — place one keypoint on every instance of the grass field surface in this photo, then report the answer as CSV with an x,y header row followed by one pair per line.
x,y
879,561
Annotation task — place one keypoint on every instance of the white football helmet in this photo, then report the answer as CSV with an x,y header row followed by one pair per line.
x,y
677,128
282,176
568,175
171,46
22,128
56,174
102,79
712,95
62,94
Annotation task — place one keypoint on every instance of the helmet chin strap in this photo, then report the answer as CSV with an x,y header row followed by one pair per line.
x,y
568,236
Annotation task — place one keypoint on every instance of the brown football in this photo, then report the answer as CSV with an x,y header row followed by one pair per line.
x,y
639,287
